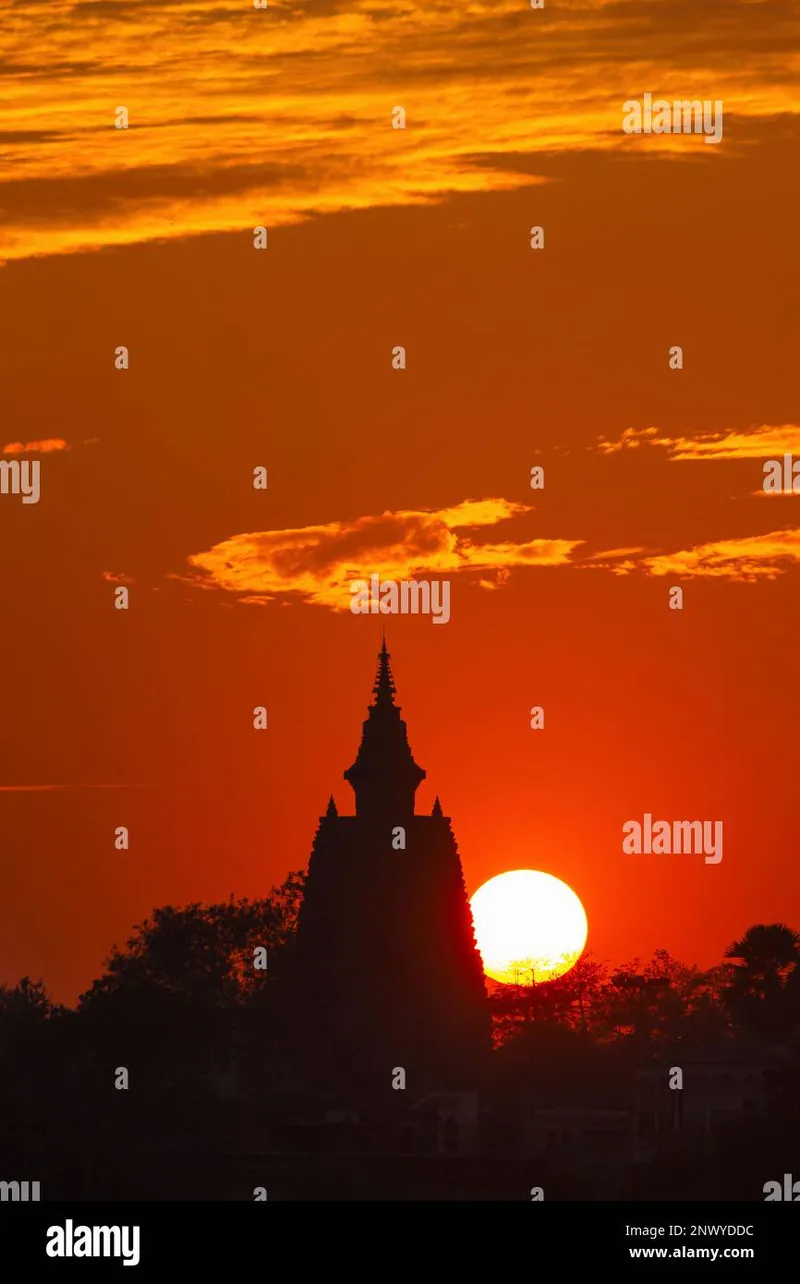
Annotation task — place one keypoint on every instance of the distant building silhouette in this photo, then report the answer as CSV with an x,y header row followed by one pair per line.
x,y
385,972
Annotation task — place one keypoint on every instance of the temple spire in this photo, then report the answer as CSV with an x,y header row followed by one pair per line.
x,y
384,775
384,688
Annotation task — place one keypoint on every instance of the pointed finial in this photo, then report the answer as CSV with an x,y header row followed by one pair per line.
x,y
331,813
437,808
384,687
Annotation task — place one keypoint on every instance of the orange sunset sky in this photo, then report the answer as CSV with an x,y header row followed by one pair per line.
x,y
282,358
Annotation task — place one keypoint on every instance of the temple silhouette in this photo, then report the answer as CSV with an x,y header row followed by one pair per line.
x,y
385,973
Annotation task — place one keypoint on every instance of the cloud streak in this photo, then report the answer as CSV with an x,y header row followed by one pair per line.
x,y
44,447
765,442
747,560
317,564
312,87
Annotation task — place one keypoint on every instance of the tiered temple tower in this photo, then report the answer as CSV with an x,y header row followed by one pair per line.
x,y
386,972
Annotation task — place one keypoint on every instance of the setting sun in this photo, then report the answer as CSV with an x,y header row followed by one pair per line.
x,y
529,926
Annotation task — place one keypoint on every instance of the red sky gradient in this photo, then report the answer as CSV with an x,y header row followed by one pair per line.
x,y
282,358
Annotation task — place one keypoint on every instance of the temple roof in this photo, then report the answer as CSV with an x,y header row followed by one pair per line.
x,y
384,774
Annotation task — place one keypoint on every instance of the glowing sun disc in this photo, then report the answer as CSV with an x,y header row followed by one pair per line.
x,y
529,926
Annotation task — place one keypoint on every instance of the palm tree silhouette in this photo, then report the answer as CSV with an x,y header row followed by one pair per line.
x,y
764,990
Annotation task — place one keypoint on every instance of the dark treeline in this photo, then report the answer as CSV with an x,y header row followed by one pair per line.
x,y
754,991
195,1025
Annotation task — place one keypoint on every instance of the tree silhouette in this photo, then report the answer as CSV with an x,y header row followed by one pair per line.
x,y
168,1001
663,1003
646,1005
570,1000
24,1005
182,1005
25,1011
204,952
763,991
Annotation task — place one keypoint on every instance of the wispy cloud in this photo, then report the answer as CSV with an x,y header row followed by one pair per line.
x,y
619,561
44,447
766,441
118,577
317,564
755,557
483,85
